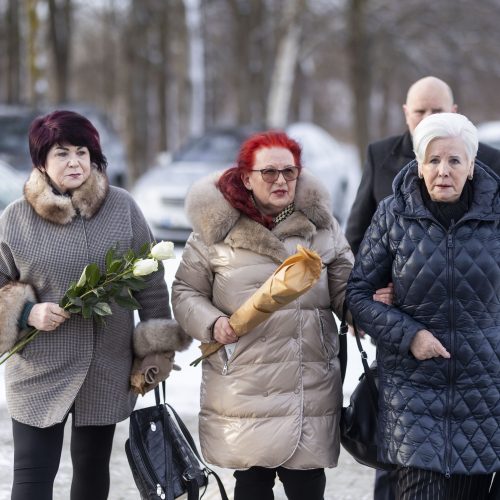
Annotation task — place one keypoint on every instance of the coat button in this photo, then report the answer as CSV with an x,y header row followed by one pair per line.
x,y
265,394
263,339
295,336
297,391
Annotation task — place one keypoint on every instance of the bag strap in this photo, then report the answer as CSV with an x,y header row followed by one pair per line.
x,y
343,346
191,484
191,442
343,342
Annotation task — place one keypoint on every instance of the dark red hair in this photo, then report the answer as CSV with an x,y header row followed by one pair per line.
x,y
64,127
230,183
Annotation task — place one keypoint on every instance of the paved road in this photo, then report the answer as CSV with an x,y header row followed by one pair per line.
x,y
349,481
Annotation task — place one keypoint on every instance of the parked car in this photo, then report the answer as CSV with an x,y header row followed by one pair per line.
x,y
14,125
160,192
489,133
11,184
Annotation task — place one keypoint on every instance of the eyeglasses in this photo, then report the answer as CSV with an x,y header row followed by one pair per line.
x,y
271,174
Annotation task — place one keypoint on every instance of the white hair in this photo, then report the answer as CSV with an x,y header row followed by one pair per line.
x,y
443,125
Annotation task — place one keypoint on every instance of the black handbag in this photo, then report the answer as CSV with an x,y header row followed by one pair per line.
x,y
163,457
358,422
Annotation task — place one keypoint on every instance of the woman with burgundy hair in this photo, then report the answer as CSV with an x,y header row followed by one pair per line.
x,y
68,217
270,403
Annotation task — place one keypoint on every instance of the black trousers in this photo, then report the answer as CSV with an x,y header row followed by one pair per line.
x,y
418,484
257,483
385,485
37,453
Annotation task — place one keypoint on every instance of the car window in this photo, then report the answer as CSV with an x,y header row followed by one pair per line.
x,y
220,148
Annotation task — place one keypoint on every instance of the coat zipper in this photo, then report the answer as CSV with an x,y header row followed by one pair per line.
x,y
323,342
451,366
143,456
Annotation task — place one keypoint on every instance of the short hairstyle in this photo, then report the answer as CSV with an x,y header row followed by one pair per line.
x,y
442,125
230,183
64,127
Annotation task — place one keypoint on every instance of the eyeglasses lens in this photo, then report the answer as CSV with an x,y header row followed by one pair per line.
x,y
272,174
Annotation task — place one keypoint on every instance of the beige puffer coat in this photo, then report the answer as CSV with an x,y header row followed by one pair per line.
x,y
277,400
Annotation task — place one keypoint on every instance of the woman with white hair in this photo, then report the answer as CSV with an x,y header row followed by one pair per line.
x,y
437,238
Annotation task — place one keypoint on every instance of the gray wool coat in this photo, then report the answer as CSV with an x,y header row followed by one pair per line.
x,y
45,241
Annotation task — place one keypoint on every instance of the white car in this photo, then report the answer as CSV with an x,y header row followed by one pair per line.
x,y
489,133
11,184
160,192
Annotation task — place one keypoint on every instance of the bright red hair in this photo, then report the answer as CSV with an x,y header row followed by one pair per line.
x,y
230,183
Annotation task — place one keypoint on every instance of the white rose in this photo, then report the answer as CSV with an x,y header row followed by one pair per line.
x,y
144,267
163,250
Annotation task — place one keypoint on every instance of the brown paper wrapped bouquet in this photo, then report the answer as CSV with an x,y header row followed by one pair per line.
x,y
295,276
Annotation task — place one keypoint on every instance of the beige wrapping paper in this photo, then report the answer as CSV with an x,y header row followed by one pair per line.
x,y
295,276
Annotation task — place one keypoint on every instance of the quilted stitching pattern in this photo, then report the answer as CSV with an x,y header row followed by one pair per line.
x,y
438,414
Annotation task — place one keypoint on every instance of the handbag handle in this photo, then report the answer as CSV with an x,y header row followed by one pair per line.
x,y
343,346
189,438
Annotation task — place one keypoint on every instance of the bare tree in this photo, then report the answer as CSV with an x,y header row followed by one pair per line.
x,y
13,43
283,78
196,66
32,56
60,29
360,70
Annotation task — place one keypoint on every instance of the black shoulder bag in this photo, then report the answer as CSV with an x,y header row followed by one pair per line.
x,y
162,455
358,422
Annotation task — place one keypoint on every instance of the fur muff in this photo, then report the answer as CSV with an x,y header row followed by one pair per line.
x,y
13,297
86,200
159,335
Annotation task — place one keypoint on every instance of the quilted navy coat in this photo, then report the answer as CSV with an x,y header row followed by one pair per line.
x,y
438,414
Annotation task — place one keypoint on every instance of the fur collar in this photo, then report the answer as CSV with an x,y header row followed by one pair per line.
x,y
86,200
215,220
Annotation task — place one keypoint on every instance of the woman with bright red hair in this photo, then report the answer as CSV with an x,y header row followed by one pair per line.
x,y
270,403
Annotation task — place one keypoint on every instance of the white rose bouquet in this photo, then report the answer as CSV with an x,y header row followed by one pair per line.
x,y
91,295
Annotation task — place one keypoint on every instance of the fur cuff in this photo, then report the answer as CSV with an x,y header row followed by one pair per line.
x,y
13,297
159,335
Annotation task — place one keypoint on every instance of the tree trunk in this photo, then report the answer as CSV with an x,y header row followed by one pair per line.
x,y
60,42
13,57
136,129
284,70
360,73
163,74
196,67
33,69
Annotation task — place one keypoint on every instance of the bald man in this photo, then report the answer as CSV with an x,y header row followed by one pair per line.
x,y
387,157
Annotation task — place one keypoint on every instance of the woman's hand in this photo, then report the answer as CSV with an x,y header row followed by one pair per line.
x,y
385,295
425,346
223,332
47,316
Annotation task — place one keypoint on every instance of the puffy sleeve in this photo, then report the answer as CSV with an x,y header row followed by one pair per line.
x,y
192,291
391,327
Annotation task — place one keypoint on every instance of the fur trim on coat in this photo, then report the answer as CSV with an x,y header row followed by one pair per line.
x,y
159,335
86,200
13,297
215,220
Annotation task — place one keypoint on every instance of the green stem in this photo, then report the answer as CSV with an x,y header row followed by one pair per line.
x,y
22,343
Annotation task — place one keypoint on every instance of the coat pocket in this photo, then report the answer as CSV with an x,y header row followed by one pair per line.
x,y
322,334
